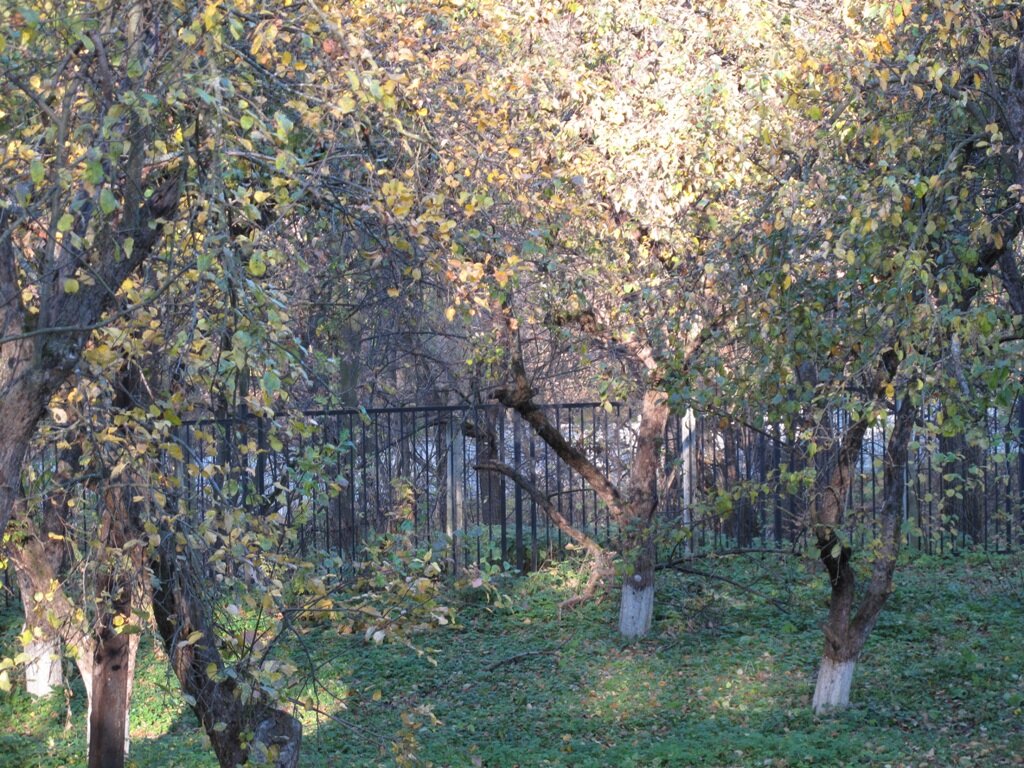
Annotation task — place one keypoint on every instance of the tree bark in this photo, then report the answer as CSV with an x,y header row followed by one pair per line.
x,y
964,505
636,609
242,725
114,649
485,436
43,670
601,559
55,613
846,633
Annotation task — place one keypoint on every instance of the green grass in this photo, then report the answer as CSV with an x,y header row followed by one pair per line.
x,y
724,680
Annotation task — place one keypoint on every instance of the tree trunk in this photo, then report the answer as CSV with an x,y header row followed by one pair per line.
x,y
113,650
687,460
832,691
43,670
636,608
961,493
55,613
637,605
485,435
845,633
241,724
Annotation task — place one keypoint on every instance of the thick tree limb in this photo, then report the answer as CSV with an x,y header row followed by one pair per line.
x,y
601,567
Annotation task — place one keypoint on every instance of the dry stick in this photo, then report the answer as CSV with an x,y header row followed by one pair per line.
x,y
525,655
677,565
601,568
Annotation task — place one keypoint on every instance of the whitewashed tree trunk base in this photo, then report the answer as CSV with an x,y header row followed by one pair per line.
x,y
43,669
833,689
636,610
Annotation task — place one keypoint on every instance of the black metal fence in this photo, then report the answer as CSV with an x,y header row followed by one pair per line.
x,y
344,475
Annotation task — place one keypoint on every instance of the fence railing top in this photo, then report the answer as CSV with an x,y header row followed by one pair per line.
x,y
383,410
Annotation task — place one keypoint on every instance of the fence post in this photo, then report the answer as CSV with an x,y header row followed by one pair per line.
x,y
517,459
687,460
456,468
261,464
1020,467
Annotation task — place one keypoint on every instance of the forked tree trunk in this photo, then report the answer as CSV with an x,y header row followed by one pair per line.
x,y
846,632
631,508
243,727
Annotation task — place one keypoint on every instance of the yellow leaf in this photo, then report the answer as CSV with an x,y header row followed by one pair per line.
x,y
71,285
210,16
394,293
376,695
449,314
346,104
918,91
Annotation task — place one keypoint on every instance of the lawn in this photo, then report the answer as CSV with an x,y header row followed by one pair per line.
x,y
724,680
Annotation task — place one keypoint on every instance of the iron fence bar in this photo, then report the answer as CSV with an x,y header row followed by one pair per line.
x,y
517,459
534,556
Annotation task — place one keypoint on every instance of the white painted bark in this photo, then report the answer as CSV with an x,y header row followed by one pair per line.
x,y
833,689
43,669
636,610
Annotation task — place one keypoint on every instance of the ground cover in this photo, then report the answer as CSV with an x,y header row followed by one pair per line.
x,y
724,680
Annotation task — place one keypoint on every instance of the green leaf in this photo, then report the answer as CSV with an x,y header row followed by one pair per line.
x,y
108,203
94,172
257,267
37,171
65,223
271,382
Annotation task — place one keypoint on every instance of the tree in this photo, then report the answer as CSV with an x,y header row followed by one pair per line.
x,y
879,255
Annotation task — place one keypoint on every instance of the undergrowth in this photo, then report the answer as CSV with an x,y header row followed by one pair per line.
x,y
725,679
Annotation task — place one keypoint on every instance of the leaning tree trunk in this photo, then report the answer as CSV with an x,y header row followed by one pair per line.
x,y
243,727
846,632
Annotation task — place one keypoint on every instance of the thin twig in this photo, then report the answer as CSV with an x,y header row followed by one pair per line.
x,y
677,565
